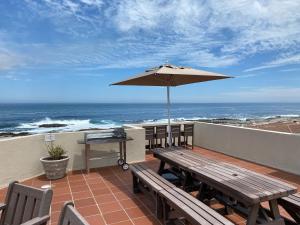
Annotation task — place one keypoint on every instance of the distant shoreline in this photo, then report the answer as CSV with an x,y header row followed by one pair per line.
x,y
280,124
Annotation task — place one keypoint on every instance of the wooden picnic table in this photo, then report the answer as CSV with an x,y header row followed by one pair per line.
x,y
236,187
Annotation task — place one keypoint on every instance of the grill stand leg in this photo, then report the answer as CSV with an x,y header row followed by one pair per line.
x,y
186,141
121,150
87,151
125,152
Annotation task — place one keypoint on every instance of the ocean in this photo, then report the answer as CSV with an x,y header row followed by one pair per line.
x,y
29,117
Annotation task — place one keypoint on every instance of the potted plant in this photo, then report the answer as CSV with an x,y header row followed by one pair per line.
x,y
55,165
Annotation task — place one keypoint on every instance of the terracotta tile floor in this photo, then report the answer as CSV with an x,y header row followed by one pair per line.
x,y
104,196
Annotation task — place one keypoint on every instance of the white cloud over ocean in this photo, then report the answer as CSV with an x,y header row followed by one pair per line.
x,y
129,34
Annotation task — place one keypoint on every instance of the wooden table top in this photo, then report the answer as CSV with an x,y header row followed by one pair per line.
x,y
242,184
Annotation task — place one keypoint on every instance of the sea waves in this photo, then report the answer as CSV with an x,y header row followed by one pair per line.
x,y
50,125
60,125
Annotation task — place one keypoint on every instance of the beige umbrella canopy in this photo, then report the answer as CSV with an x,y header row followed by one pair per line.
x,y
170,76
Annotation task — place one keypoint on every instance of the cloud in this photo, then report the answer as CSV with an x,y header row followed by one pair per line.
x,y
290,70
76,18
141,33
247,76
122,54
265,94
250,26
282,61
9,59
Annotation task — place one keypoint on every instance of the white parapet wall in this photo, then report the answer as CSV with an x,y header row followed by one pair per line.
x,y
19,156
275,149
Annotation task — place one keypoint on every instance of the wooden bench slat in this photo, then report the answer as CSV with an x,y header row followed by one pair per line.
x,y
297,195
198,206
291,199
146,179
160,181
157,176
181,206
294,197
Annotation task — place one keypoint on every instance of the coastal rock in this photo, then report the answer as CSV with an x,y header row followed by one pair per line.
x,y
51,125
11,134
91,129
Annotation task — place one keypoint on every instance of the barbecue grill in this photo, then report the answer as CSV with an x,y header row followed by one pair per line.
x,y
117,135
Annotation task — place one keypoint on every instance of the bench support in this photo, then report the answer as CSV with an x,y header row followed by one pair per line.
x,y
135,184
159,207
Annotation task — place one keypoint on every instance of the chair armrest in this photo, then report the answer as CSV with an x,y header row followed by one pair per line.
x,y
37,221
2,206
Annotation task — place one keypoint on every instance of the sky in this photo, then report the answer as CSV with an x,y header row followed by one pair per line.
x,y
71,50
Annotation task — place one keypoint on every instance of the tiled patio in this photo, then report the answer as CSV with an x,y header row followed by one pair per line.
x,y
105,195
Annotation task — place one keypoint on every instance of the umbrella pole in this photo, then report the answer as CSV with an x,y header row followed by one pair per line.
x,y
169,119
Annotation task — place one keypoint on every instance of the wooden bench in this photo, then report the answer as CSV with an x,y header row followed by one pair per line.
x,y
291,204
171,202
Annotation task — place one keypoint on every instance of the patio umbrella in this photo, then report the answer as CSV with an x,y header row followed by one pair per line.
x,y
170,76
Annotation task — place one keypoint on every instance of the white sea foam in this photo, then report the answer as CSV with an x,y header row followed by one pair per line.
x,y
281,116
71,125
77,124
165,120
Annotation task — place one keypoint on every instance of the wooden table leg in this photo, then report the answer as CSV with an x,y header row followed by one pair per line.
x,y
202,192
161,167
274,209
87,153
253,214
188,180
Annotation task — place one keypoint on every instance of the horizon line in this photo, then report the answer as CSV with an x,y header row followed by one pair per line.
x,y
250,102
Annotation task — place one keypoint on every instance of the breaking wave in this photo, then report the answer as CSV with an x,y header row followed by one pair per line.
x,y
44,125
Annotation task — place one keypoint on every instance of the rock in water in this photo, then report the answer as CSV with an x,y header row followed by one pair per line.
x,y
51,125
11,134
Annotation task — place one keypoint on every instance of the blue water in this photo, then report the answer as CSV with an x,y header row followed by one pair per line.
x,y
28,117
